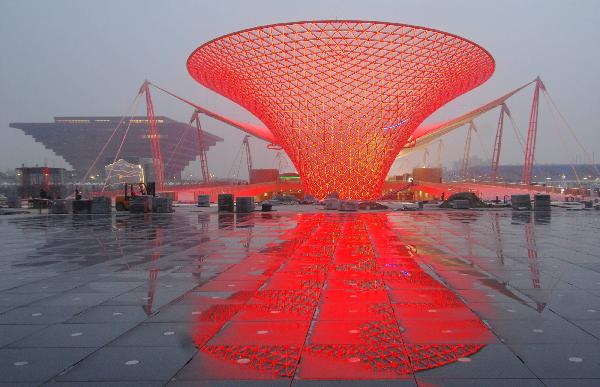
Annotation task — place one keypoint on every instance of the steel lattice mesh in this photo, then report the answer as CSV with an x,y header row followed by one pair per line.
x,y
341,97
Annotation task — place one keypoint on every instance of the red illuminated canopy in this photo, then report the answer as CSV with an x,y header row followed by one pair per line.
x,y
341,97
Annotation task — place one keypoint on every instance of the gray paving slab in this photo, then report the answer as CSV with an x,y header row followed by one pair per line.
x,y
541,331
479,382
157,335
560,360
74,335
21,299
130,364
110,314
494,361
265,300
40,314
37,364
104,384
229,383
571,382
11,333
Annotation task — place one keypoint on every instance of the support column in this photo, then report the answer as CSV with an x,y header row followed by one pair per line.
x,y
498,144
532,133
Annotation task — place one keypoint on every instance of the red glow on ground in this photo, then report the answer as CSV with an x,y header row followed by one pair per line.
x,y
342,297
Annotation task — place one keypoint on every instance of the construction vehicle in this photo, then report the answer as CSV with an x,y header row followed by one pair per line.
x,y
132,190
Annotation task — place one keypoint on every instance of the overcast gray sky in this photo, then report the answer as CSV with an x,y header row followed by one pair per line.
x,y
75,57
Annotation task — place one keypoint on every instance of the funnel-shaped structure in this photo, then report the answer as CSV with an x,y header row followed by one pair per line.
x,y
341,97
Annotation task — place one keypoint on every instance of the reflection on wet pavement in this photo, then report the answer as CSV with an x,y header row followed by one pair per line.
x,y
429,298
341,289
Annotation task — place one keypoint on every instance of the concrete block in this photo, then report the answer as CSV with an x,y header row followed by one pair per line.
x,y
460,204
225,202
520,202
101,205
203,200
82,206
331,203
140,204
61,206
348,205
162,205
541,202
244,204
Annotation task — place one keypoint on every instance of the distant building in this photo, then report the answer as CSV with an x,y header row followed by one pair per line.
x,y
429,175
121,172
293,177
540,173
32,180
79,141
263,175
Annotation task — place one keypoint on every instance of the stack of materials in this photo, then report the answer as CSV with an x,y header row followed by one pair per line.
x,y
461,204
101,205
348,205
14,202
474,201
371,205
541,202
520,202
162,205
82,207
244,204
39,203
168,194
331,203
60,206
140,204
225,202
203,200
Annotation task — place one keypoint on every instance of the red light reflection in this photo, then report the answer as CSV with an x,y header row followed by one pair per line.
x,y
345,295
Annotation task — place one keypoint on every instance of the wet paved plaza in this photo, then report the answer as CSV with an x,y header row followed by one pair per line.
x,y
301,298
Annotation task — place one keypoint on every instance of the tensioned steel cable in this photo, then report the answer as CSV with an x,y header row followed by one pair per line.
x,y
120,147
564,120
129,110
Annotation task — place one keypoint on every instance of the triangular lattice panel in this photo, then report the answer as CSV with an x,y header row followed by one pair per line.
x,y
341,97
